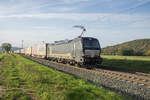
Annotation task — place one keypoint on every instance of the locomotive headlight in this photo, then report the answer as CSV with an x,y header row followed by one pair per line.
x,y
86,56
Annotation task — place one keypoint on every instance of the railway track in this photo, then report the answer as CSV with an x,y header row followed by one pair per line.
x,y
143,74
132,85
138,77
146,74
142,80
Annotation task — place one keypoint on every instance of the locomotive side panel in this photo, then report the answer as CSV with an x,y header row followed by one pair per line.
x,y
60,51
71,51
78,50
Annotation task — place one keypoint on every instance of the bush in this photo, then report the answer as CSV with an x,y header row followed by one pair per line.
x,y
125,52
139,53
148,53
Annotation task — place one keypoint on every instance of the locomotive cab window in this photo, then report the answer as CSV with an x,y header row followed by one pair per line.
x,y
90,43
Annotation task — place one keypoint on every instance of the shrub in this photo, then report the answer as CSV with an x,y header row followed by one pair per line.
x,y
125,52
148,53
139,53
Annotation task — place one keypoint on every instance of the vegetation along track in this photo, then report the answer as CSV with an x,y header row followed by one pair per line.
x,y
132,85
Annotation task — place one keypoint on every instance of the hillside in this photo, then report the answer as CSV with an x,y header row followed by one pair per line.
x,y
140,45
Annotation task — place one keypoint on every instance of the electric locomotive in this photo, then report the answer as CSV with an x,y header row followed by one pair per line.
x,y
81,50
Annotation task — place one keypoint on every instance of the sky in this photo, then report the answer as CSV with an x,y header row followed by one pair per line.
x,y
110,21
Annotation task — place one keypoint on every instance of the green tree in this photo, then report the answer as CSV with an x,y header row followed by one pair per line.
x,y
138,53
125,52
148,53
6,47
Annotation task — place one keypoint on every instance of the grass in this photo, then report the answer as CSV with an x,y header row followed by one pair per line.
x,y
26,80
1,56
9,78
133,63
15,94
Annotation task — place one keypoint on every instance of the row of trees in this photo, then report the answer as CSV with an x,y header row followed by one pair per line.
x,y
131,52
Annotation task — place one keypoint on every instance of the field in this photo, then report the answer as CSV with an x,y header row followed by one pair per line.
x,y
132,63
23,79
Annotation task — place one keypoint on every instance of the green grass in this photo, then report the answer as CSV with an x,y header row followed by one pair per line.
x,y
133,63
21,76
9,78
15,94
1,56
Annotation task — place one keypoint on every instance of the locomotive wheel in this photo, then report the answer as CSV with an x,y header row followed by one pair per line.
x,y
80,64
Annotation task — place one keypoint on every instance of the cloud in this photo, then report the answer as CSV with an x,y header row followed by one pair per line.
x,y
54,6
39,6
103,20
142,24
72,16
81,16
73,1
138,4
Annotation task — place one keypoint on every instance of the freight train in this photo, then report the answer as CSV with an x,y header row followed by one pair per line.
x,y
78,51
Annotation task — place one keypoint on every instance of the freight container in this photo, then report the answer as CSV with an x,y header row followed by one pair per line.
x,y
41,50
34,51
29,51
22,51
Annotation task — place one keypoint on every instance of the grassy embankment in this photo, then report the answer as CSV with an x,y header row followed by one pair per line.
x,y
133,63
27,80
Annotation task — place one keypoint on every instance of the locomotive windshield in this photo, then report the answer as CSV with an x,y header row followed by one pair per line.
x,y
90,43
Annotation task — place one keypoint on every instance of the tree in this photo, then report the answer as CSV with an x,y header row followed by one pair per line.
x,y
6,47
138,53
148,53
125,52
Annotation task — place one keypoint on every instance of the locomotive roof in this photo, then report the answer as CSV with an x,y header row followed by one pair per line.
x,y
70,40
